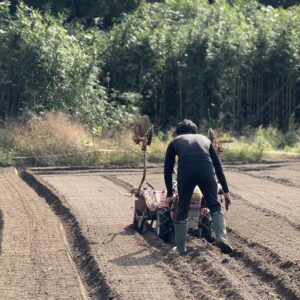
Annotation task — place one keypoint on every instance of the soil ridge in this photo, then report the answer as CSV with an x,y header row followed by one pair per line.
x,y
1,229
93,277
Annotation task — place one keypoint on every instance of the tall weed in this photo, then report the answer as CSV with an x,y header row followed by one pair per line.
x,y
56,140
48,140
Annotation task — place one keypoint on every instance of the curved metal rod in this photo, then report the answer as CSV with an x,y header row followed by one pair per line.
x,y
144,175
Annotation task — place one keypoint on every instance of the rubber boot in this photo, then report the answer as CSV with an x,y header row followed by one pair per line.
x,y
180,236
219,225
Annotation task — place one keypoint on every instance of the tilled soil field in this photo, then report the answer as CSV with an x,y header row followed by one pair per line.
x,y
112,261
35,258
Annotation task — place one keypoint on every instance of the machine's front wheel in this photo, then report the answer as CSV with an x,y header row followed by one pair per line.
x,y
164,225
140,223
205,231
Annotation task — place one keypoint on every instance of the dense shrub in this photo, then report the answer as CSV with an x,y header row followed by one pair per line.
x,y
46,65
221,63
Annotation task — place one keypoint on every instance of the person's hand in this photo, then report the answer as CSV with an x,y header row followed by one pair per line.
x,y
169,199
227,200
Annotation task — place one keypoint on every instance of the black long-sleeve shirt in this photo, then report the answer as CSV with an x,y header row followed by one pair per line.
x,y
192,148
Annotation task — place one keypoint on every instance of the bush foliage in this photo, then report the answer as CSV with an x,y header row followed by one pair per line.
x,y
222,63
235,64
47,65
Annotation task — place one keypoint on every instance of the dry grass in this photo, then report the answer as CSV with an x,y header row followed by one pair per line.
x,y
55,140
54,133
51,139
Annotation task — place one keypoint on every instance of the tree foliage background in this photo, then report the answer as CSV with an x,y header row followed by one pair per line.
x,y
49,65
238,65
106,11
229,63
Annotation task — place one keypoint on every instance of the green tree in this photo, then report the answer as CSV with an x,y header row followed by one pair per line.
x,y
239,63
45,66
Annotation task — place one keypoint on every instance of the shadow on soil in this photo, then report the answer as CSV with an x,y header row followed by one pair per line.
x,y
136,258
127,231
1,229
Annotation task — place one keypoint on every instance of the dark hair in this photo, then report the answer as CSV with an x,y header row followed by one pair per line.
x,y
186,126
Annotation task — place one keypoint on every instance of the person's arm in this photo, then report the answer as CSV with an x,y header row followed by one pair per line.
x,y
168,168
220,174
218,168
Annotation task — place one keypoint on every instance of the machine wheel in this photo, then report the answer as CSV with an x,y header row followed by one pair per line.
x,y
135,221
164,226
140,223
206,230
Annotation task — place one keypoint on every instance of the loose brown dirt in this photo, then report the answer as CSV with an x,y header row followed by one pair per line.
x,y
115,262
35,260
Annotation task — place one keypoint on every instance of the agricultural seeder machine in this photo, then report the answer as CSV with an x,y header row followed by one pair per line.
x,y
153,210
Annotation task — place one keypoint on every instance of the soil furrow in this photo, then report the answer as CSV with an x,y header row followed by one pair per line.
x,y
247,167
263,227
94,278
119,182
282,181
1,229
268,255
203,278
242,279
104,213
34,261
263,275
223,276
187,283
267,212
285,174
266,264
221,279
266,194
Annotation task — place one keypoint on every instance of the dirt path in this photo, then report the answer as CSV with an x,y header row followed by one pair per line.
x,y
78,244
263,227
35,260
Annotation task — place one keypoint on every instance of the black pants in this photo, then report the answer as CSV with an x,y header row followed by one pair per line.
x,y
190,175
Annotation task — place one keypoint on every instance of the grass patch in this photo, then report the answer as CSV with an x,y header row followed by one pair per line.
x,y
262,143
6,156
157,150
241,151
57,140
51,140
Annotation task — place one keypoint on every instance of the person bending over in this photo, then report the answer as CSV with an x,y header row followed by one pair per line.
x,y
198,163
